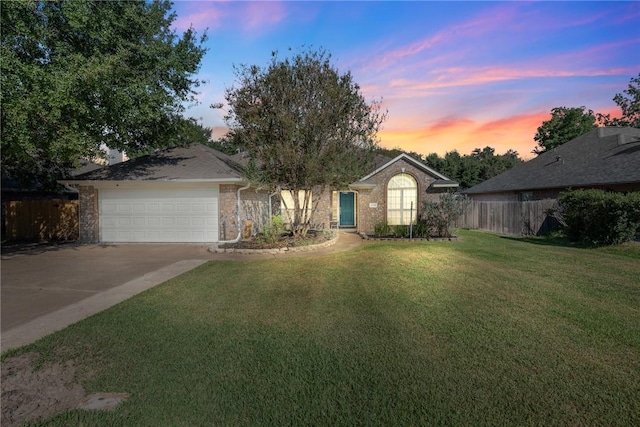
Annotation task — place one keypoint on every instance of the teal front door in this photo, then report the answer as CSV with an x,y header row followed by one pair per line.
x,y
347,209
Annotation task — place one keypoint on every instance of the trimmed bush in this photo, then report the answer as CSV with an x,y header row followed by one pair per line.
x,y
599,217
439,216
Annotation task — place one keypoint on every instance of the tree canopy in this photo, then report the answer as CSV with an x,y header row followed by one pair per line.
x,y
569,123
629,103
78,75
565,124
305,126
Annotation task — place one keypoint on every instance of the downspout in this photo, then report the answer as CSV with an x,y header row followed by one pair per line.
x,y
237,239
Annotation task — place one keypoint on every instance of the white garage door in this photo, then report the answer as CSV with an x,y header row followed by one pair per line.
x,y
154,215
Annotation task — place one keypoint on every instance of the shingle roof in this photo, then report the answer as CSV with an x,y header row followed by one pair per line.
x,y
194,163
86,166
604,156
381,162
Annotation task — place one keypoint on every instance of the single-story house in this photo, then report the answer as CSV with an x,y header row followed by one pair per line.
x,y
198,194
606,158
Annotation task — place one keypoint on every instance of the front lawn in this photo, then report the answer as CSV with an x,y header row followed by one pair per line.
x,y
484,331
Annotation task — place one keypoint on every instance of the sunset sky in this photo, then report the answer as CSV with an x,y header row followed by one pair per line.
x,y
452,75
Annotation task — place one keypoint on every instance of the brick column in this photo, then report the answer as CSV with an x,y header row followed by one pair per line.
x,y
228,212
89,215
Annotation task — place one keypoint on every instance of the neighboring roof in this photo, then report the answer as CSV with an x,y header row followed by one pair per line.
x,y
381,165
189,164
604,156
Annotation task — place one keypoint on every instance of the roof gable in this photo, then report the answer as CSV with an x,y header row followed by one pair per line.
x,y
604,156
408,159
196,162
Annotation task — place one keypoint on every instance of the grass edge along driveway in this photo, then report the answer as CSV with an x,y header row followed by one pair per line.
x,y
485,331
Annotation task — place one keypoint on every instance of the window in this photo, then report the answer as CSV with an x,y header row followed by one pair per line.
x,y
402,199
287,205
525,196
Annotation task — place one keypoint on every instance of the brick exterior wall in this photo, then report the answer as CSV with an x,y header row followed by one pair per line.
x,y
89,219
367,216
322,216
254,207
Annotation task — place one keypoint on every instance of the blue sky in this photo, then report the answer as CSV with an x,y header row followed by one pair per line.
x,y
452,75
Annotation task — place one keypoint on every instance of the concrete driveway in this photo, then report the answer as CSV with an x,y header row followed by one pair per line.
x,y
43,281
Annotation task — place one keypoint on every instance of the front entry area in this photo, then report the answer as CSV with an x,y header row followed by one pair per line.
x,y
347,209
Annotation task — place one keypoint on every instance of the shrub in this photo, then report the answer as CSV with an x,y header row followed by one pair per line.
x,y
382,229
401,230
274,230
439,216
421,229
600,218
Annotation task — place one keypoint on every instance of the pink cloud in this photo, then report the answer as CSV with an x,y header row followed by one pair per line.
x,y
502,16
256,15
199,15
488,21
441,79
446,124
250,17
464,135
632,16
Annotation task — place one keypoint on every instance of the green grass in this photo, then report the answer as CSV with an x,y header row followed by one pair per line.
x,y
484,331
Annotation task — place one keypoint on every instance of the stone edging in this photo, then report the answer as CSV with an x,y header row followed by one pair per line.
x,y
414,239
285,250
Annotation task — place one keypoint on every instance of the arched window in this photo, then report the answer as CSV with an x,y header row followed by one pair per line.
x,y
402,199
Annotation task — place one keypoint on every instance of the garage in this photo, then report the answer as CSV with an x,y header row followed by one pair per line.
x,y
178,195
158,215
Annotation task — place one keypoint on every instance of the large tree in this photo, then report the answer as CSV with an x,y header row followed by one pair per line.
x,y
305,126
80,74
629,103
565,124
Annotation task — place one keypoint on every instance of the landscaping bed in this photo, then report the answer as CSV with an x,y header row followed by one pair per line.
x,y
313,237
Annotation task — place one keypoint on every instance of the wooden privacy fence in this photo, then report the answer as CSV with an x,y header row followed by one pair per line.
x,y
42,220
514,218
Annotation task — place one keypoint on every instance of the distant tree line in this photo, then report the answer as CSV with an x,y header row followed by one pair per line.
x,y
468,169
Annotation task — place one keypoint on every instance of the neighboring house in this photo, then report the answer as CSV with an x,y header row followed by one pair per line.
x,y
607,158
198,194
